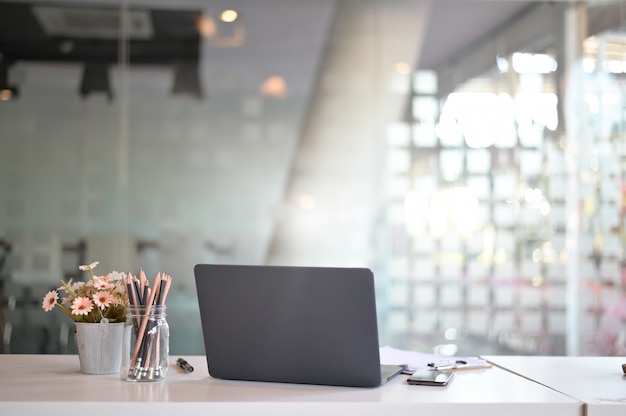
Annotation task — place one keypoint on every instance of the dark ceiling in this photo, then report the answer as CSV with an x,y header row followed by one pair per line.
x,y
45,32
165,32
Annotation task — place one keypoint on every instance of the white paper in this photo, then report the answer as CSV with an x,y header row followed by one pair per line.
x,y
413,361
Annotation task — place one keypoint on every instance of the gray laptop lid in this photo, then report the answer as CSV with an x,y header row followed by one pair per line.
x,y
312,325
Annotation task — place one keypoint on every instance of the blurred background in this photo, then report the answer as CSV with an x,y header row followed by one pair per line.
x,y
471,153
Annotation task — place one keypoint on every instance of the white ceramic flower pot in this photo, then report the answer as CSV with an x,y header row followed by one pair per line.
x,y
99,347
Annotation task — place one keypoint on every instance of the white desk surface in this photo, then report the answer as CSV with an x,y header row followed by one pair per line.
x,y
52,385
599,382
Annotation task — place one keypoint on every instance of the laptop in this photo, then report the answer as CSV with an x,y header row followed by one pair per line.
x,y
307,325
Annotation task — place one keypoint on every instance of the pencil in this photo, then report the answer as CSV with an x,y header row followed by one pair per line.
x,y
144,322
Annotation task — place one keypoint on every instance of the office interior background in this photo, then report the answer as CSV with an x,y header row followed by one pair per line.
x,y
471,153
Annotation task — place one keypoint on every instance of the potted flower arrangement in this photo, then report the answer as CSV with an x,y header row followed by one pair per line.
x,y
98,308
100,299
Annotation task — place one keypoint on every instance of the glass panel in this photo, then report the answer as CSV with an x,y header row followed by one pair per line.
x,y
272,137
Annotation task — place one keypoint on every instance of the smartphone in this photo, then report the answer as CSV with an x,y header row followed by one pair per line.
x,y
430,378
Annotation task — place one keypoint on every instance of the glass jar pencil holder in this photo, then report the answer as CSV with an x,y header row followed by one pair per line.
x,y
146,344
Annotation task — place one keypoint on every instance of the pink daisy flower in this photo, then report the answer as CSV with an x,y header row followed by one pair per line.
x,y
89,267
50,300
81,306
103,283
115,275
103,299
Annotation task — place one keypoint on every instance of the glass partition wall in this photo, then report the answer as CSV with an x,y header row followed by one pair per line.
x,y
484,187
505,200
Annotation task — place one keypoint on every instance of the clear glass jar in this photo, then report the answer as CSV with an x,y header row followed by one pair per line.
x,y
145,355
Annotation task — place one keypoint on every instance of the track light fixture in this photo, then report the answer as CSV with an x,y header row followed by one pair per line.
x,y
95,80
8,92
187,80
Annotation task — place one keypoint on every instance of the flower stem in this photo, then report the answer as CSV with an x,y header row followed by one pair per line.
x,y
67,310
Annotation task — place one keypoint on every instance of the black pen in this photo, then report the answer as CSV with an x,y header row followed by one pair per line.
x,y
182,363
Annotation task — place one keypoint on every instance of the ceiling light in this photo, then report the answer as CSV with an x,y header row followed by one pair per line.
x,y
403,68
7,94
274,86
206,26
219,31
228,16
90,23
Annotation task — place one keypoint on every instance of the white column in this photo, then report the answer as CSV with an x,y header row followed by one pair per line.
x,y
575,131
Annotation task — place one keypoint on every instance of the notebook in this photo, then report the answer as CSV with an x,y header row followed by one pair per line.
x,y
308,325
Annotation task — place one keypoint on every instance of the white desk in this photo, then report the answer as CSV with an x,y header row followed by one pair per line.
x,y
598,382
52,385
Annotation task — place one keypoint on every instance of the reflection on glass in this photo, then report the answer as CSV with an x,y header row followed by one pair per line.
x,y
294,116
